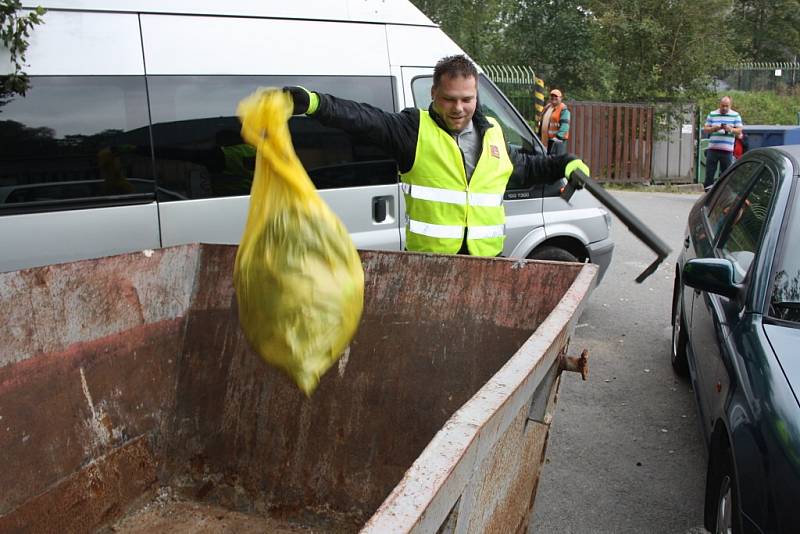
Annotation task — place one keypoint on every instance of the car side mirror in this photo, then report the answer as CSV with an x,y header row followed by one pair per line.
x,y
714,275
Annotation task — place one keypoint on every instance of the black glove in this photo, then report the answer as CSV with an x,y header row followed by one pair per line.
x,y
300,97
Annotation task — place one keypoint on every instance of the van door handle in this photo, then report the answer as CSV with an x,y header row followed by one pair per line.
x,y
379,205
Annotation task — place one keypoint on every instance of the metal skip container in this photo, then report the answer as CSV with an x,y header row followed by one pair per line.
x,y
130,400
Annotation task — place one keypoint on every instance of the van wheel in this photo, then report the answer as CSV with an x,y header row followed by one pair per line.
x,y
549,252
679,338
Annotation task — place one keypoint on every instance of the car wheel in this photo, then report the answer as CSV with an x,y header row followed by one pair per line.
x,y
549,252
726,509
679,337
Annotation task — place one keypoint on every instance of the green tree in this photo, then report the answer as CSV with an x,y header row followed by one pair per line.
x,y
767,30
663,49
14,32
558,40
477,26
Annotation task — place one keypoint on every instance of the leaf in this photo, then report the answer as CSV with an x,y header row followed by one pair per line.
x,y
14,33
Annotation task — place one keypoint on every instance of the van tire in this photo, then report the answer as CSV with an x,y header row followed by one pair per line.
x,y
549,252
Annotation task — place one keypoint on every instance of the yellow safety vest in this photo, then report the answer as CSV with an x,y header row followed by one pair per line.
x,y
237,176
239,160
440,204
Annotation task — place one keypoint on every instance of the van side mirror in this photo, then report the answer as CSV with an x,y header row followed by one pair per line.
x,y
714,275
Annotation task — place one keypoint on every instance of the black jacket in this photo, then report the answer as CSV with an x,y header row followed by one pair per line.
x,y
397,134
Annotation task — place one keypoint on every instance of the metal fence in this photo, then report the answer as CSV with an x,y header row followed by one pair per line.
x,y
518,83
675,144
760,77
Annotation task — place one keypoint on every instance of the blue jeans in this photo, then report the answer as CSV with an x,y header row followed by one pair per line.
x,y
722,158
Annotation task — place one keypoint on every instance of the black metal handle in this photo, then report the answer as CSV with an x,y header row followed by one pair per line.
x,y
636,226
379,209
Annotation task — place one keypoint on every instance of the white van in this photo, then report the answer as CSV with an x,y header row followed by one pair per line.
x,y
127,138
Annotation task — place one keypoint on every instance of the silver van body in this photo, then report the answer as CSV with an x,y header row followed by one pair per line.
x,y
127,138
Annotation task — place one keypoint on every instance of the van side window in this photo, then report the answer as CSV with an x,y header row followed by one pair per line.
x,y
200,154
75,142
495,105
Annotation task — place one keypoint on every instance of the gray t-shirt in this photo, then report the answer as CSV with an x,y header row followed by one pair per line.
x,y
467,140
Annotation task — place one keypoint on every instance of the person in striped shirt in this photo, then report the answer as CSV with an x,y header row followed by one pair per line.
x,y
722,126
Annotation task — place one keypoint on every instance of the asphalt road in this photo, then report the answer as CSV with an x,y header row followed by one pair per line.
x,y
625,452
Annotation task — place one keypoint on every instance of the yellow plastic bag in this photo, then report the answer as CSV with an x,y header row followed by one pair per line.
x,y
299,280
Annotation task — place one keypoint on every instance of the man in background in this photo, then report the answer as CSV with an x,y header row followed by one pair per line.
x,y
723,125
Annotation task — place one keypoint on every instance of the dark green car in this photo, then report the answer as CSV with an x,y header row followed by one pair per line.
x,y
736,334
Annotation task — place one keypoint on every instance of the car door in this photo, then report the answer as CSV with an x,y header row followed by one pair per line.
x,y
522,201
736,218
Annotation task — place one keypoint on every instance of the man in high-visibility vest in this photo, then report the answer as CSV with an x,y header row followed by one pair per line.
x,y
453,160
554,126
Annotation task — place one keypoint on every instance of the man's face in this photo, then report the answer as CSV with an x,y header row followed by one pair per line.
x,y
555,99
455,99
725,105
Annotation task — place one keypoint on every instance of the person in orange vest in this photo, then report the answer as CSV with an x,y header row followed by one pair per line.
x,y
554,126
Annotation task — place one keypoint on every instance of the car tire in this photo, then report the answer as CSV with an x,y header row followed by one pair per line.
x,y
549,252
680,364
722,498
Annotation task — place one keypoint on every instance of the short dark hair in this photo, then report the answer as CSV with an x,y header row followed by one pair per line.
x,y
452,66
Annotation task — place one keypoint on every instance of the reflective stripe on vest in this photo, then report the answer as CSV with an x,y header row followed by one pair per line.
x,y
452,197
555,122
455,232
442,207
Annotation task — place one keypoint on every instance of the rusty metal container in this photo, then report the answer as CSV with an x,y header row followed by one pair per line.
x,y
130,401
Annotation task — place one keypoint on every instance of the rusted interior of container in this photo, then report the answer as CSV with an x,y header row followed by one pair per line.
x,y
129,396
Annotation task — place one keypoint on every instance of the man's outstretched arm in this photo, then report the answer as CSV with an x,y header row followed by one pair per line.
x,y
394,132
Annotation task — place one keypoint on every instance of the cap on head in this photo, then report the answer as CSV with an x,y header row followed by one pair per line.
x,y
555,92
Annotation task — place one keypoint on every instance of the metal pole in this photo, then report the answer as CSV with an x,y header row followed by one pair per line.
x,y
633,223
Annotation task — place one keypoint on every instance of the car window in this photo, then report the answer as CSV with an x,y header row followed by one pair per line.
x,y
747,219
72,141
784,302
493,104
727,194
200,154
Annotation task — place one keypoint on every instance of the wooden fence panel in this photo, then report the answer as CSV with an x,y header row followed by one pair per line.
x,y
609,138
615,140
